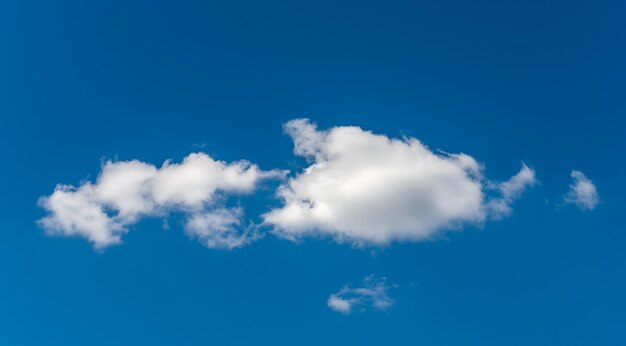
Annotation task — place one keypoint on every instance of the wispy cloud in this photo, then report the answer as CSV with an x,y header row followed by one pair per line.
x,y
582,192
510,190
373,293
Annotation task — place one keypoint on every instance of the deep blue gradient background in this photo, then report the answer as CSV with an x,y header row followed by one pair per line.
x,y
538,81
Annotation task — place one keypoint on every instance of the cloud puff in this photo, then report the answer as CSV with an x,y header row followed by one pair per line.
x,y
369,189
128,190
510,190
373,293
582,192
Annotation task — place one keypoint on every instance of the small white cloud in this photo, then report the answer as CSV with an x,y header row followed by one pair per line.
x,y
510,190
339,304
582,192
220,228
128,190
369,189
372,294
74,212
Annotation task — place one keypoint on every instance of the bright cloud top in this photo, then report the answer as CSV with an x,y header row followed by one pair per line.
x,y
582,192
128,190
369,189
372,294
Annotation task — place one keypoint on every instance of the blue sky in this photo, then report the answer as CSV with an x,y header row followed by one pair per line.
x,y
504,82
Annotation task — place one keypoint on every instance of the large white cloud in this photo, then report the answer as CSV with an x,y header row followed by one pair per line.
x,y
372,293
128,190
582,192
369,189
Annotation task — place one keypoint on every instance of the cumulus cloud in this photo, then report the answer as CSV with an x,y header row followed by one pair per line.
x,y
372,294
126,191
582,192
369,189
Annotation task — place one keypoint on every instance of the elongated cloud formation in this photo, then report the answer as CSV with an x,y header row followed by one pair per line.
x,y
369,189
361,188
582,192
128,190
373,293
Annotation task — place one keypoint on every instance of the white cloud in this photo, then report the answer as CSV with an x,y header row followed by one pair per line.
x,y
220,228
582,192
373,293
128,190
75,212
370,189
510,190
